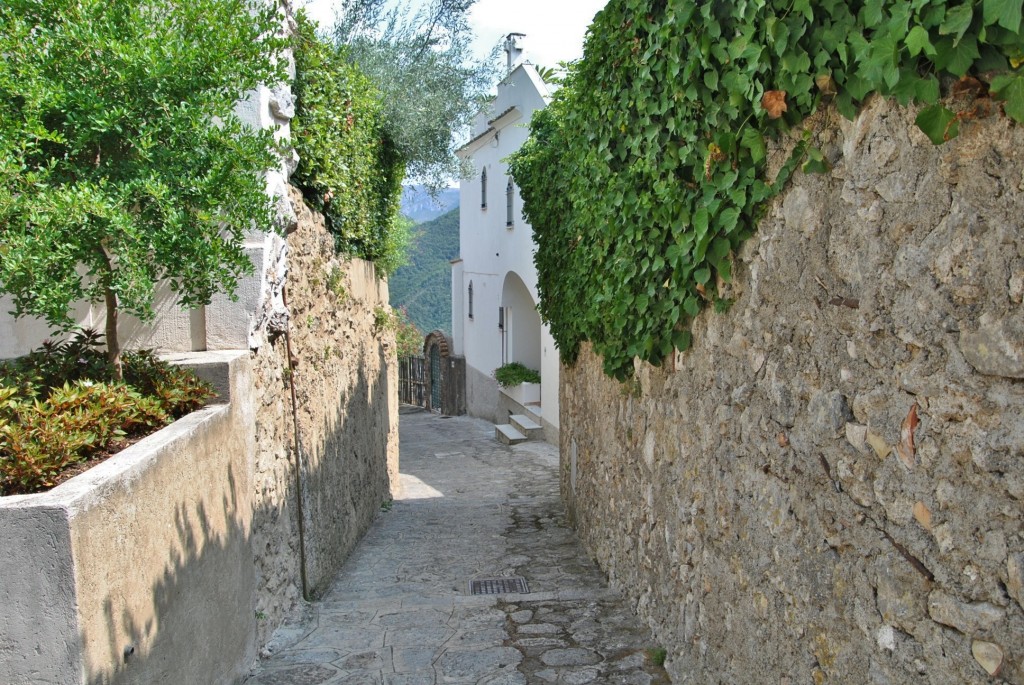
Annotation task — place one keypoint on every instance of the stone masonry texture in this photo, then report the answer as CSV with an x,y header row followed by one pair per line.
x,y
827,487
344,370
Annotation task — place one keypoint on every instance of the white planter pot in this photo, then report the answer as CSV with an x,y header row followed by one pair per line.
x,y
524,393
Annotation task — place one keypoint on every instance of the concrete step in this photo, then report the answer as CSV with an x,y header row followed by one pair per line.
x,y
527,426
534,409
507,434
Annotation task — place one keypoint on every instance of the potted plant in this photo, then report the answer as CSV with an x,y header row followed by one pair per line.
x,y
519,382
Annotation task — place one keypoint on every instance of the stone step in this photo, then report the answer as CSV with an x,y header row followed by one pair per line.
x,y
507,434
527,426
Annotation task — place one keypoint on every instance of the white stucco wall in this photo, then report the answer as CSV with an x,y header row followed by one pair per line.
x,y
491,250
458,309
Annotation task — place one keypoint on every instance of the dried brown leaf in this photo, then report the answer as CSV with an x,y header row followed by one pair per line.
x,y
968,85
774,102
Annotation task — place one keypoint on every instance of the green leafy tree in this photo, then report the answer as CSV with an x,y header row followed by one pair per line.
x,y
552,75
122,162
423,65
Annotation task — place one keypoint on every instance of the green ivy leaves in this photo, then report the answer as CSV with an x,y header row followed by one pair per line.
x,y
938,123
647,172
349,168
1010,88
1005,13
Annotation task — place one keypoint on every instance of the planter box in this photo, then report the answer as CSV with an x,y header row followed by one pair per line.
x,y
140,569
524,393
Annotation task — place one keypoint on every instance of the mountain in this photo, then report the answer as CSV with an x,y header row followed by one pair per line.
x,y
419,206
424,285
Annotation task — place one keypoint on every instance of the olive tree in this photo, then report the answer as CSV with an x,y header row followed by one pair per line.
x,y
122,162
423,64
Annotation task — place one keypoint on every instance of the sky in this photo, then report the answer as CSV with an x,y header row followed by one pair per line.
x,y
554,28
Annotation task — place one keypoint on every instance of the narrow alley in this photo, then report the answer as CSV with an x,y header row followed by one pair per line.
x,y
402,612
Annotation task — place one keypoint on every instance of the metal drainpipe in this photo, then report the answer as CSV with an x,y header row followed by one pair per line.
x,y
298,452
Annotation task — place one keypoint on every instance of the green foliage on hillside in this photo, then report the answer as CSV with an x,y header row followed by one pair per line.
x,y
349,168
423,286
648,170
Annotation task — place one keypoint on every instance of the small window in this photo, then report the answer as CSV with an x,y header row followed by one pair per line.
x,y
471,299
483,189
501,318
509,196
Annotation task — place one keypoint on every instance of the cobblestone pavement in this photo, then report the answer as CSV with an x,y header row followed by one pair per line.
x,y
400,611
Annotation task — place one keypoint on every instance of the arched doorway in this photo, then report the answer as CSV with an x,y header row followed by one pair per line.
x,y
520,323
445,376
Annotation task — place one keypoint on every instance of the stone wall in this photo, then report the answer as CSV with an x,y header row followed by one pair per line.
x,y
344,372
828,486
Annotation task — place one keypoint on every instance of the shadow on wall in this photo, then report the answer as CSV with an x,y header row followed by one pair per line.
x,y
343,468
172,328
181,640
345,428
173,636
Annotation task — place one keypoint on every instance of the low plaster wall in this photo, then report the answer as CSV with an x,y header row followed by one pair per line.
x,y
345,374
483,396
139,570
767,503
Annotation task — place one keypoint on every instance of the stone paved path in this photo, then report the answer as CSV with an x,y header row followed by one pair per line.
x,y
400,611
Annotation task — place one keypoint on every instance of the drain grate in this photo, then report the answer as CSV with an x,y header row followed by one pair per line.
x,y
499,586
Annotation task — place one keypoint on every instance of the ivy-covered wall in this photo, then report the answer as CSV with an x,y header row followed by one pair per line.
x,y
828,486
349,168
647,173
815,471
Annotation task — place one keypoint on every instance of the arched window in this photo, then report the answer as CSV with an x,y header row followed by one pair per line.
x,y
483,189
509,196
471,299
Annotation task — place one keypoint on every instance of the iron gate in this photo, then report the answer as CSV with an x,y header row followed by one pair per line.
x,y
435,378
412,381
435,381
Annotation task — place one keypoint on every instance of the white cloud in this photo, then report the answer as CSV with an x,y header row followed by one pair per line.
x,y
321,11
554,28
